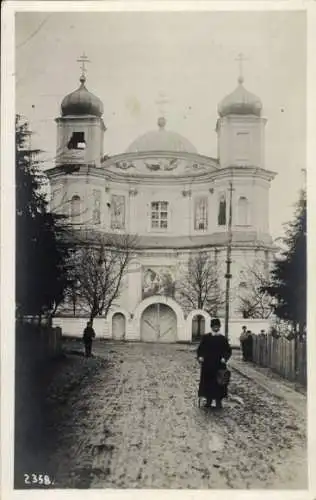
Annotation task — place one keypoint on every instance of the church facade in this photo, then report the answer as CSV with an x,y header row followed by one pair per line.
x,y
174,199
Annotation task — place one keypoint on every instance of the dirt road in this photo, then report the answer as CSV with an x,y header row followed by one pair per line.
x,y
130,419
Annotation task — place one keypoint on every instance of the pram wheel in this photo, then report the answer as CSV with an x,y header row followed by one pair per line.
x,y
199,402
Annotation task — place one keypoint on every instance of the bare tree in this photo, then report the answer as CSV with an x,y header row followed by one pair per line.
x,y
199,288
100,266
254,301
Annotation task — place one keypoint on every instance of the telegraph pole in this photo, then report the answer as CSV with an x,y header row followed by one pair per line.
x,y
228,260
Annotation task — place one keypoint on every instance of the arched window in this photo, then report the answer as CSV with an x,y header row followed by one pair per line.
x,y
75,208
243,215
200,221
77,141
222,210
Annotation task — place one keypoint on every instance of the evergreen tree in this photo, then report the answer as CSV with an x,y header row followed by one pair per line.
x,y
288,277
41,256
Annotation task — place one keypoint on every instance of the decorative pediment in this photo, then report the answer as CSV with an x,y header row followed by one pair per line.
x,y
195,166
124,165
175,165
163,164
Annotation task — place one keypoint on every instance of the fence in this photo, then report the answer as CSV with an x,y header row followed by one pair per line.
x,y
36,354
286,357
37,343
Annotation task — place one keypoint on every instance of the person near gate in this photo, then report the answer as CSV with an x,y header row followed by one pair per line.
x,y
88,336
248,346
243,339
213,353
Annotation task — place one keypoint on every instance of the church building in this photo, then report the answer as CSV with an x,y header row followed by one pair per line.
x,y
176,200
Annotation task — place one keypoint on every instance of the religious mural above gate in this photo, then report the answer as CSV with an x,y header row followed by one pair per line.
x,y
158,281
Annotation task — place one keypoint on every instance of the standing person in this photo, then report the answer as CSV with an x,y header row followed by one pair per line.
x,y
213,348
248,343
88,336
242,340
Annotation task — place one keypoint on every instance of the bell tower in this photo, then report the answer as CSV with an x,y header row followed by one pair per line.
x,y
80,128
240,127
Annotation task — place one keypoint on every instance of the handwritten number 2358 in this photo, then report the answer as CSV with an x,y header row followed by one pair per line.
x,y
37,479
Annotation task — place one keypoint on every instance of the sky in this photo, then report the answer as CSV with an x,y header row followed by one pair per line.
x,y
190,58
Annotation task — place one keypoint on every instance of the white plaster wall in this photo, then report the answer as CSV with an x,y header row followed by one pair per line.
x,y
178,222
132,210
227,140
123,299
261,205
134,280
70,186
257,193
74,327
181,208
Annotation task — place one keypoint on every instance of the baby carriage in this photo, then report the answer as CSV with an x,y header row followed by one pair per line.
x,y
222,380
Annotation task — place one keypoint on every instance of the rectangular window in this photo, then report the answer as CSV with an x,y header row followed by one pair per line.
x,y
159,215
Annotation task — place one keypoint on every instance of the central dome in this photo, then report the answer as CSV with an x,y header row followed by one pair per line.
x,y
161,140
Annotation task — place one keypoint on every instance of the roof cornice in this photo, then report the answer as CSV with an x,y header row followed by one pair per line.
x,y
245,171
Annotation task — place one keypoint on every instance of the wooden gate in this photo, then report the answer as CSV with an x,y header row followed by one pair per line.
x,y
158,324
118,326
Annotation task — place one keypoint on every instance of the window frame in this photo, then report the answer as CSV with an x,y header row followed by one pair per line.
x,y
74,141
205,219
163,207
222,196
247,222
75,217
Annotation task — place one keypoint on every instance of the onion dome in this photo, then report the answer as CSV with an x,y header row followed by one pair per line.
x,y
161,140
240,102
81,102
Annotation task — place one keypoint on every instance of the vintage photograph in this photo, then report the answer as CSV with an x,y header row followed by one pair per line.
x,y
160,273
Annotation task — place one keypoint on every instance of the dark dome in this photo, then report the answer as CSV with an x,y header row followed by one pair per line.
x,y
81,102
240,102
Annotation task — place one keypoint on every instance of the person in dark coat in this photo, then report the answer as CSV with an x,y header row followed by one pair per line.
x,y
248,346
88,336
242,339
213,349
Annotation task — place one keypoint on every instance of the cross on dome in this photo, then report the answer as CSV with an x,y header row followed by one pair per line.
x,y
81,101
83,60
161,101
240,101
240,58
